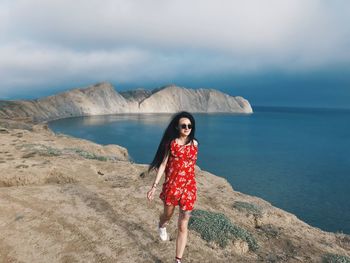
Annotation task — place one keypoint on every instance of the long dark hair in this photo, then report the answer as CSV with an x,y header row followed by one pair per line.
x,y
171,133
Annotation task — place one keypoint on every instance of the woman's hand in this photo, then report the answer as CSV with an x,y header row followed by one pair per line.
x,y
150,193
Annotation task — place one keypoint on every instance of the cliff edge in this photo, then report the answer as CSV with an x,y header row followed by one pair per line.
x,y
64,199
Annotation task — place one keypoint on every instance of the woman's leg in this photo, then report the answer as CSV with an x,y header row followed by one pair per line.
x,y
167,214
182,231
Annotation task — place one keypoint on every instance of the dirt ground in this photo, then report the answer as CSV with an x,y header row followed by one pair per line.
x,y
64,199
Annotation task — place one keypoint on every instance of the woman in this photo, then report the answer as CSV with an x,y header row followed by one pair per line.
x,y
177,156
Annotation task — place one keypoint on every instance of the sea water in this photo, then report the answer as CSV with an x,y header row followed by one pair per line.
x,y
295,158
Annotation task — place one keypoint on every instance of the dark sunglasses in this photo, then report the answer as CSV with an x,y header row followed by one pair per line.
x,y
183,126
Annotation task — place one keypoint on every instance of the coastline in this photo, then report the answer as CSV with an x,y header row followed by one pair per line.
x,y
69,199
297,173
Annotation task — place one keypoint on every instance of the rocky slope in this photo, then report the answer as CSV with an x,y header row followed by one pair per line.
x,y
64,199
173,99
102,99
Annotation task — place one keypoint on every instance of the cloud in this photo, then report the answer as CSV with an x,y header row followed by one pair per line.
x,y
128,40
30,64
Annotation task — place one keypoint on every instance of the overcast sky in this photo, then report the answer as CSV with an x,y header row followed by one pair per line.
x,y
272,52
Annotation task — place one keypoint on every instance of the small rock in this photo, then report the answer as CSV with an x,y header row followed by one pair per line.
x,y
18,217
22,166
258,221
241,247
4,130
28,155
143,174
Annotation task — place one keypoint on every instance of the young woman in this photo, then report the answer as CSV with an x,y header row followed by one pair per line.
x,y
177,156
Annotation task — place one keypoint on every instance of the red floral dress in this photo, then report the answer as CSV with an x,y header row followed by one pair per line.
x,y
179,187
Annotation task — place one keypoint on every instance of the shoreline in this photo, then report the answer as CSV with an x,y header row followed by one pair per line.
x,y
60,193
278,182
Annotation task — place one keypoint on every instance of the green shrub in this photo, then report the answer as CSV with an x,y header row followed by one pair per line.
x,y
334,258
53,151
43,149
218,228
87,155
248,207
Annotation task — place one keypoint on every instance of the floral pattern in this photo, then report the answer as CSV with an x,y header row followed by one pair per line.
x,y
179,187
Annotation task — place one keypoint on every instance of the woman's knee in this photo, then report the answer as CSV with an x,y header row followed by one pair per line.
x,y
167,217
168,211
183,225
184,218
185,214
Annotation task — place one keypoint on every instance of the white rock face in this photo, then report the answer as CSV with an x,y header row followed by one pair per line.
x,y
101,99
173,99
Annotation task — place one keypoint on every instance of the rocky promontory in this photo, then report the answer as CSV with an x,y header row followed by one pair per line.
x,y
103,99
65,199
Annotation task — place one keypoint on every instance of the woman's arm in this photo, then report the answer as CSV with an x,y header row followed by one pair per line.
x,y
160,172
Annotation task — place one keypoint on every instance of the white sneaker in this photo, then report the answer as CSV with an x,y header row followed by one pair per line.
x,y
162,233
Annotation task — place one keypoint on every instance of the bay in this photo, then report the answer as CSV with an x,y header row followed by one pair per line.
x,y
298,159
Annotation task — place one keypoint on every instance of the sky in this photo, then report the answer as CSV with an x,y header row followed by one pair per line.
x,y
273,53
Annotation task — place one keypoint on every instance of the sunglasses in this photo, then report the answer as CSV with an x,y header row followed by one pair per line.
x,y
183,126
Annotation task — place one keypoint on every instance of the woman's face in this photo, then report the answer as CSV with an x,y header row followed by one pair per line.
x,y
184,130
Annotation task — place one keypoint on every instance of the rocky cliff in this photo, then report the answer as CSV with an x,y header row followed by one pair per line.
x,y
64,199
173,98
102,99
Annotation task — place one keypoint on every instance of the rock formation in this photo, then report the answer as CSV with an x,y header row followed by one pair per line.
x,y
64,199
101,99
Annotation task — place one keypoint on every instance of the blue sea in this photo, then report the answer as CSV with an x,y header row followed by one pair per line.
x,y
298,159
